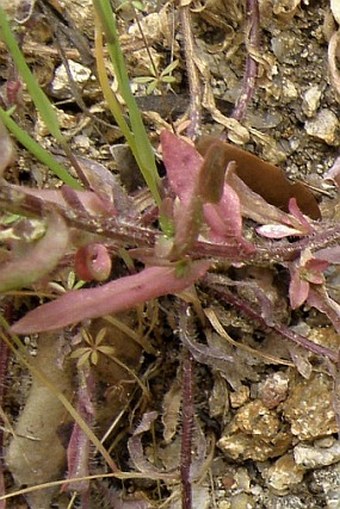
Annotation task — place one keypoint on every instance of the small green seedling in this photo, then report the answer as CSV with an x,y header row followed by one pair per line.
x,y
155,81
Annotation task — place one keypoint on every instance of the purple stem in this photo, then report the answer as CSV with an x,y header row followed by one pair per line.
x,y
250,74
193,79
187,418
4,357
222,293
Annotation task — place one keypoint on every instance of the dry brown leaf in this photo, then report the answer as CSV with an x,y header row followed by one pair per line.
x,y
171,410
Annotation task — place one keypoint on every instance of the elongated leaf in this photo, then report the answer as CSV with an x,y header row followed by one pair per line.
x,y
141,148
116,296
182,163
264,178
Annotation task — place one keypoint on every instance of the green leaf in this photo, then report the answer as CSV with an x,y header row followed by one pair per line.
x,y
169,79
142,149
169,68
143,79
151,87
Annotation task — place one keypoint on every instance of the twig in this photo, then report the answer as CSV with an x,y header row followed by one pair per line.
x,y
193,79
250,74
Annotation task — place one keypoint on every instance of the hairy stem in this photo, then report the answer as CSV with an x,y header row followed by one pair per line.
x,y
187,424
253,45
193,79
223,293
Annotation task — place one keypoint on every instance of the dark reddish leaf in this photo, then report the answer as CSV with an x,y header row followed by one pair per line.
x,y
298,290
264,178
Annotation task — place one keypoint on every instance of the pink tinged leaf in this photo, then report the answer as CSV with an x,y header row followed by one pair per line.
x,y
315,278
186,173
78,454
78,450
298,290
39,259
314,271
277,231
224,219
297,225
319,299
254,206
334,172
182,163
296,212
329,254
104,183
113,297
93,262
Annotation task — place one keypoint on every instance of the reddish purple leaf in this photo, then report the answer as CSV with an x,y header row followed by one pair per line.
x,y
330,254
118,295
93,262
319,299
314,270
254,206
298,290
182,163
224,219
78,450
296,212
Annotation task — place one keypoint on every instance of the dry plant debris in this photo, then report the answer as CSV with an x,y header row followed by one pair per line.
x,y
250,352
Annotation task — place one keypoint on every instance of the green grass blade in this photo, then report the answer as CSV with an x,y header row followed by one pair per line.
x,y
38,151
109,96
142,151
38,96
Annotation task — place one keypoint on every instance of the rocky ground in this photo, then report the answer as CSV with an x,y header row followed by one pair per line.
x,y
269,425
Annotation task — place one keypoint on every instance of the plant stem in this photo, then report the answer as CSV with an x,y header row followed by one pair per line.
x,y
253,45
187,420
223,293
193,79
